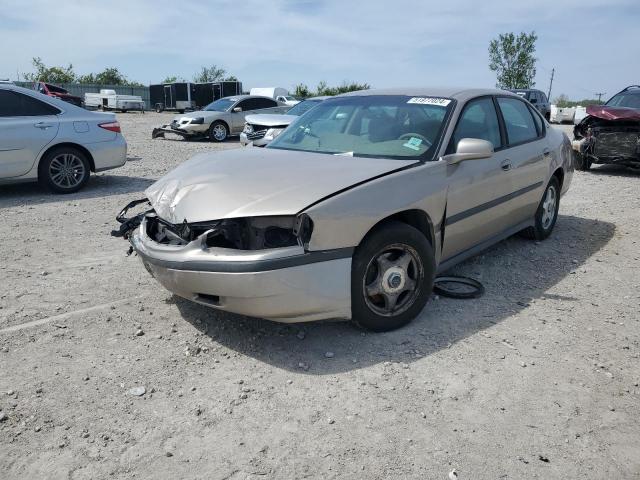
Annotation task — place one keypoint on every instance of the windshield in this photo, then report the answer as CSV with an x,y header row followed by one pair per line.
x,y
386,126
630,100
299,108
221,105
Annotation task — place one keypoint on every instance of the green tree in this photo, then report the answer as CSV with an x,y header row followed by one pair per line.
x,y
173,79
50,74
562,101
512,58
109,76
324,89
301,91
210,74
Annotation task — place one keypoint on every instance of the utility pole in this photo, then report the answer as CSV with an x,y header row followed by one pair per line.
x,y
553,70
599,95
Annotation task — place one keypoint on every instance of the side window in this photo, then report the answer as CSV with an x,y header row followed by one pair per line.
x,y
478,120
14,104
264,103
518,120
543,98
9,104
537,120
247,104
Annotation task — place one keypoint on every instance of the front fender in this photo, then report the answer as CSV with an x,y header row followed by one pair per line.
x,y
344,219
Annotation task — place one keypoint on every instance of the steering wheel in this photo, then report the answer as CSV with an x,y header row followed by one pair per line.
x,y
407,136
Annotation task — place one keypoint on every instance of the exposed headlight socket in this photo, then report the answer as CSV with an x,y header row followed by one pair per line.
x,y
303,228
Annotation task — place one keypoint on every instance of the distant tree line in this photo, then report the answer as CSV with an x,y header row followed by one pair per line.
x,y
61,74
214,73
303,91
562,101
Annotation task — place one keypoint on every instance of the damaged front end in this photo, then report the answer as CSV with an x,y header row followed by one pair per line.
x,y
254,233
608,135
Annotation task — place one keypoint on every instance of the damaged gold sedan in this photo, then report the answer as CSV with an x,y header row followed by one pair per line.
x,y
355,207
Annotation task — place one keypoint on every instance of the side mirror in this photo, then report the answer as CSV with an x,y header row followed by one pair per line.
x,y
237,109
470,149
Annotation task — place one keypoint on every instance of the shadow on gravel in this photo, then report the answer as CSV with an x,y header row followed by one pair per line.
x,y
613,171
101,185
514,272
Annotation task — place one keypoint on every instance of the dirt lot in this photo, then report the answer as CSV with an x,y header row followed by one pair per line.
x,y
537,379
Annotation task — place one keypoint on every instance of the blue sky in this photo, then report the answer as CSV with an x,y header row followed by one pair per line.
x,y
594,45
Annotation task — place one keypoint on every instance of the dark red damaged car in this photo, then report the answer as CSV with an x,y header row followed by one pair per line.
x,y
610,133
57,92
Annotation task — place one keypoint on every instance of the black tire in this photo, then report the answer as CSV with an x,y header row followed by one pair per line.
x,y
159,108
543,224
218,131
180,112
64,165
390,243
582,162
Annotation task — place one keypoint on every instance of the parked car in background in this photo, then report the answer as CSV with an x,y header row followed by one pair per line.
x,y
220,119
537,98
54,142
260,129
57,92
610,133
351,211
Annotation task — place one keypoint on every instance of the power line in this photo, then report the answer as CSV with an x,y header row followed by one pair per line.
x,y
599,95
553,71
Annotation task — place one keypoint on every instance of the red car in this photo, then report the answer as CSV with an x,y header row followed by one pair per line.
x,y
57,92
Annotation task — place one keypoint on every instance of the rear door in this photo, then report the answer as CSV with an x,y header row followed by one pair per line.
x,y
527,152
27,125
478,189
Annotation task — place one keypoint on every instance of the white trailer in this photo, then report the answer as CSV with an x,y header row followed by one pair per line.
x,y
110,100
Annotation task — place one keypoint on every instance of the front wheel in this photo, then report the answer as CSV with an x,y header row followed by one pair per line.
x,y
391,277
218,132
547,213
64,170
582,162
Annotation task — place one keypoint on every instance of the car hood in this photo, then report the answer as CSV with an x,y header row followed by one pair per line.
x,y
613,113
257,182
267,120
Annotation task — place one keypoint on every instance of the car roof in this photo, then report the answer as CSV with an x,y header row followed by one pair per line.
x,y
237,98
457,93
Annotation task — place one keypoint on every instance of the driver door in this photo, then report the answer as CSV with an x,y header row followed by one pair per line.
x,y
478,190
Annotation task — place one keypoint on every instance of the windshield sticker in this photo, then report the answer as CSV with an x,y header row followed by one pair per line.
x,y
443,102
413,143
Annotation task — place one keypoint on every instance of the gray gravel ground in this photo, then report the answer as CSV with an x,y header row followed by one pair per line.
x,y
537,379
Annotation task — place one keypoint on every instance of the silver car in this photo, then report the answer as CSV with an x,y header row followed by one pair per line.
x,y
261,128
54,142
220,119
353,210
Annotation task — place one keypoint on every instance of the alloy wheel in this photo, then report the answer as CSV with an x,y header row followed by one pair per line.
x,y
219,132
67,170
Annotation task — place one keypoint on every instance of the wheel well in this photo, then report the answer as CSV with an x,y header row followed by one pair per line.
x,y
92,165
418,219
559,174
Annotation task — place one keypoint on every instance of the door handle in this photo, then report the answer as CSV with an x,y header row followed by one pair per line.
x,y
546,152
506,165
43,125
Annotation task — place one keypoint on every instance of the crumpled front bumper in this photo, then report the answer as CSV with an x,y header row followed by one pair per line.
x,y
281,284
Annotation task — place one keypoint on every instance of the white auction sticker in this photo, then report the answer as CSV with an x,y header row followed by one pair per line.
x,y
443,102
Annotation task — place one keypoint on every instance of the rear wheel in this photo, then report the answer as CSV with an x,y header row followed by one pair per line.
x,y
64,170
547,212
391,277
218,132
